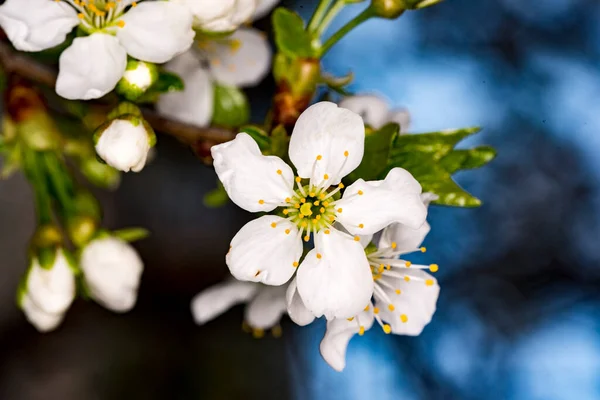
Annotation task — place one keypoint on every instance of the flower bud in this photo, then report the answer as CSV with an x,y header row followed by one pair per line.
x,y
112,270
82,229
124,142
100,174
47,293
138,78
224,16
392,9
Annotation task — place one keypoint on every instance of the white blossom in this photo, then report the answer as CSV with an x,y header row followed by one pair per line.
x,y
124,144
112,270
220,16
376,112
327,144
153,31
48,292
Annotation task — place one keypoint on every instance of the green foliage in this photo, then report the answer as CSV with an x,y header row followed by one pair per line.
x,y
290,35
131,234
377,150
431,159
231,107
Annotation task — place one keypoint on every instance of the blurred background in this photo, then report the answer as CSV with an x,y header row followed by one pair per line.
x,y
519,312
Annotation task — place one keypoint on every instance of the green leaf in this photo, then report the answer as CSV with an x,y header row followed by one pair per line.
x,y
377,151
217,197
131,234
468,159
259,136
231,107
432,160
290,35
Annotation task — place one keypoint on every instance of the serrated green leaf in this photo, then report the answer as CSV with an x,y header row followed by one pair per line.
x,y
131,234
259,136
231,107
290,36
217,197
468,159
377,150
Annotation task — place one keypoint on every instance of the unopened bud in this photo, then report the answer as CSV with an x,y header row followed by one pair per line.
x,y
392,9
138,78
82,229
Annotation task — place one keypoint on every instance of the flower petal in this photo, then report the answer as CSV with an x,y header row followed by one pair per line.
x,y
90,67
295,306
52,290
337,336
266,309
36,25
263,8
241,60
335,134
156,31
243,11
373,109
335,278
253,181
194,104
265,250
41,320
402,117
207,10
405,238
414,306
217,299
377,204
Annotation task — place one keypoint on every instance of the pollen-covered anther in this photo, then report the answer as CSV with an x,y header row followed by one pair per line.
x,y
341,186
325,176
404,318
319,256
273,225
387,329
287,231
434,268
121,24
346,154
306,238
319,157
295,264
423,249
407,264
407,279
360,192
339,210
286,212
357,238
298,179
394,245
321,210
398,291
429,282
361,330
279,172
327,231
375,310
261,202
351,319
391,307
367,308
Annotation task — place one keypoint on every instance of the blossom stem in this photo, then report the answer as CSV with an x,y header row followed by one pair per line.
x,y
61,183
35,175
330,16
318,15
344,30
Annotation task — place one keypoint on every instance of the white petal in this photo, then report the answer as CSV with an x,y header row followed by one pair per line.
x,y
217,299
337,336
156,31
401,116
339,284
406,239
52,290
395,199
417,301
295,306
427,198
194,104
372,109
263,253
124,146
264,7
252,180
208,10
330,132
112,270
41,320
36,25
266,309
243,11
90,67
241,60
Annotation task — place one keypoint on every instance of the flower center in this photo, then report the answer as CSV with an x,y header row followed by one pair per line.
x,y
100,15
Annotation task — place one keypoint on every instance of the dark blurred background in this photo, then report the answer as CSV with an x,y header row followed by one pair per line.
x,y
519,312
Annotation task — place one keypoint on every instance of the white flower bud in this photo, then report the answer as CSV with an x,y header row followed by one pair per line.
x,y
48,293
112,271
124,144
220,17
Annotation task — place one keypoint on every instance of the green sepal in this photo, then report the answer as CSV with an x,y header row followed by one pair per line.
x,y
131,234
259,136
291,37
217,197
128,87
231,107
46,257
338,84
167,82
124,108
377,150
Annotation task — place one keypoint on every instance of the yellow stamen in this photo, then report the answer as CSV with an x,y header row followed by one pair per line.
x,y
429,282
387,329
391,307
273,225
319,256
404,318
434,267
361,330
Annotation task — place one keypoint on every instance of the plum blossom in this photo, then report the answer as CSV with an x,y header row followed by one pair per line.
x,y
376,111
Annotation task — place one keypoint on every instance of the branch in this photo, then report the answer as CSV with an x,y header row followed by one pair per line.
x,y
27,67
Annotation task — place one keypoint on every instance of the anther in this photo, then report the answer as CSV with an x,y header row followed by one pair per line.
x,y
351,319
285,212
361,330
341,186
404,318
429,282
408,264
346,154
394,245
325,176
273,225
356,239
387,329
121,24
288,200
261,202
339,210
295,264
298,179
327,232
407,279
375,310
360,193
279,172
398,291
423,249
391,307
319,157
322,210
434,267
306,238
287,231
319,256
367,308
361,226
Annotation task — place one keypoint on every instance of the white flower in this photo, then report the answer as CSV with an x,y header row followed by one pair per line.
x,y
265,304
112,270
154,31
48,293
404,295
376,112
220,16
240,60
124,144
327,144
